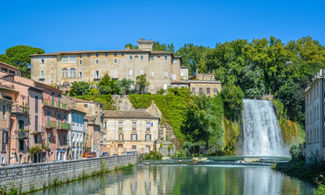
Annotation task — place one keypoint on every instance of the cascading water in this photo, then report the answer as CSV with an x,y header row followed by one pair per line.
x,y
262,135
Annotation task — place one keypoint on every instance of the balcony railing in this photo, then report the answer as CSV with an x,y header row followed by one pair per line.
x,y
49,102
22,134
65,126
19,108
51,124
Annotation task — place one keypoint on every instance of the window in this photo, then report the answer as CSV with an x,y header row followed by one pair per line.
x,y
36,104
48,118
122,54
65,59
147,126
64,73
115,74
80,56
173,77
97,61
120,137
152,74
165,74
115,54
42,61
151,57
148,137
96,75
88,55
80,74
72,73
120,125
200,90
134,126
73,59
53,98
96,54
80,61
106,54
4,112
165,86
208,90
166,58
131,57
141,72
193,89
130,72
215,91
134,137
158,56
42,74
141,57
21,145
115,60
136,56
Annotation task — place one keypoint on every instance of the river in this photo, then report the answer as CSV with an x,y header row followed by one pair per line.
x,y
175,178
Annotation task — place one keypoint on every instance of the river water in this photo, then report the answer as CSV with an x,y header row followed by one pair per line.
x,y
187,179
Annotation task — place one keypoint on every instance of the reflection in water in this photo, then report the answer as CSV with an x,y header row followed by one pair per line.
x,y
176,179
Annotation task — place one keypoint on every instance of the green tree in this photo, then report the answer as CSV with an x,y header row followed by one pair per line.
x,y
191,55
79,88
141,83
204,124
19,57
106,85
123,86
163,47
130,46
232,97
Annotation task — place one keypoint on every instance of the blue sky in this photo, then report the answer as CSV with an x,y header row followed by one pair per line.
x,y
96,25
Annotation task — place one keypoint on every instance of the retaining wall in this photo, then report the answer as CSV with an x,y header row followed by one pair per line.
x,y
36,176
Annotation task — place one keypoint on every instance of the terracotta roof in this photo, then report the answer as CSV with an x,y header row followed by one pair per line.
x,y
8,65
204,81
134,114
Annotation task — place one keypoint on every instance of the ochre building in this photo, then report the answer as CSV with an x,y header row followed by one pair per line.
x,y
62,68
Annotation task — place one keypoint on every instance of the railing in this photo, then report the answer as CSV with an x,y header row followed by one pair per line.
x,y
22,134
19,108
49,102
51,124
65,126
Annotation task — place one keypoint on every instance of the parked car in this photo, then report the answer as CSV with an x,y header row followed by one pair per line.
x,y
90,155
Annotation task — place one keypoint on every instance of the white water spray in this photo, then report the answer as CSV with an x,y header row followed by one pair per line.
x,y
262,135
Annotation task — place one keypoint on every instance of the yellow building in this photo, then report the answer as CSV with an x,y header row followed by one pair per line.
x,y
130,131
62,68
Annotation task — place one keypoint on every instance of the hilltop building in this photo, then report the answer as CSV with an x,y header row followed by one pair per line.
x,y
62,68
314,118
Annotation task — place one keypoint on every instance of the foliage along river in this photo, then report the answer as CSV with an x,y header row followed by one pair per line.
x,y
173,178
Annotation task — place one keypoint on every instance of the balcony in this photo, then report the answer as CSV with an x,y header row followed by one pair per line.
x,y
51,124
22,134
21,109
54,104
65,126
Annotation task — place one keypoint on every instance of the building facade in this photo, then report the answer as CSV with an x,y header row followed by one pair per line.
x,y
131,131
76,134
314,118
62,68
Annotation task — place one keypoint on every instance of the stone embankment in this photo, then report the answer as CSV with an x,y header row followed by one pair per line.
x,y
30,177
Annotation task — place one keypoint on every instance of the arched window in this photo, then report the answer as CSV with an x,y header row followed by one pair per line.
x,y
72,73
64,73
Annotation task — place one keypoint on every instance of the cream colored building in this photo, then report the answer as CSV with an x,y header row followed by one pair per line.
x,y
130,131
62,68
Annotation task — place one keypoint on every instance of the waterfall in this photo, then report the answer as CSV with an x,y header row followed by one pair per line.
x,y
262,135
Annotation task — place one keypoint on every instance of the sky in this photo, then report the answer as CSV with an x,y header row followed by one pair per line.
x,y
108,25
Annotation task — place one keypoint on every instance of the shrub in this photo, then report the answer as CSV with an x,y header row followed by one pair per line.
x,y
152,155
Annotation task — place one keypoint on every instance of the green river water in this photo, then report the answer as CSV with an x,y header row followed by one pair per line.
x,y
176,178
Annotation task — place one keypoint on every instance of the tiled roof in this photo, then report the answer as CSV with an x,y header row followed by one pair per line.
x,y
8,65
134,114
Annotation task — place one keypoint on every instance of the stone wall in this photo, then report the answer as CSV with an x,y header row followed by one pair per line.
x,y
36,176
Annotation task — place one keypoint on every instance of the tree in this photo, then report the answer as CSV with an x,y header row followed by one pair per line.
x,y
123,86
79,88
19,57
106,85
163,47
204,124
232,97
191,55
141,83
130,46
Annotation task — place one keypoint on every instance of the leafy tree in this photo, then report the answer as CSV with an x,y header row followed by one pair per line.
x,y
130,46
79,88
141,83
204,125
163,47
232,97
123,86
106,85
191,55
19,57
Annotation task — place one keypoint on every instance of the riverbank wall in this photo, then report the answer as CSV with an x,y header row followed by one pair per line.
x,y
31,177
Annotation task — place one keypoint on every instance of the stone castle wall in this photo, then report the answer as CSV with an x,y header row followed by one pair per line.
x,y
36,176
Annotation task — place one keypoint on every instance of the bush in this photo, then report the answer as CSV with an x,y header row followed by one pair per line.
x,y
296,152
152,155
180,154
